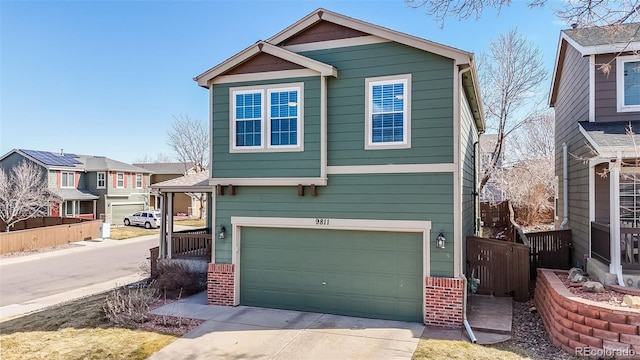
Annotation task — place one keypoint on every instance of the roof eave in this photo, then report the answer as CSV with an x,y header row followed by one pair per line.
x,y
323,69
458,55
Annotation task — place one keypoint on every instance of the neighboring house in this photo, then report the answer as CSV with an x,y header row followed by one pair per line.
x,y
87,186
182,203
596,96
492,191
341,151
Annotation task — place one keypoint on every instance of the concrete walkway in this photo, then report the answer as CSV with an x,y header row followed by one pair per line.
x,y
257,333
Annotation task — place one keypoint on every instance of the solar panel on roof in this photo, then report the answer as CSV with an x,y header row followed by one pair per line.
x,y
52,159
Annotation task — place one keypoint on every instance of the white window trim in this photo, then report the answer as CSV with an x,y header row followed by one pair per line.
x,y
136,177
104,180
118,186
620,61
63,177
265,119
368,134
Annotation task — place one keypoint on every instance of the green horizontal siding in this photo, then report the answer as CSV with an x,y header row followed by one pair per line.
x,y
424,197
267,164
432,103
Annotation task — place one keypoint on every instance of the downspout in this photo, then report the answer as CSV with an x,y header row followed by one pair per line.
x,y
565,187
467,326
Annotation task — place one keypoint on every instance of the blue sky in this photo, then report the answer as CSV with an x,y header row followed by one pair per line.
x,y
105,78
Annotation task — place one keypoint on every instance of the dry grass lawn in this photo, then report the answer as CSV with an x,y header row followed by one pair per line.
x,y
128,232
77,330
462,350
190,222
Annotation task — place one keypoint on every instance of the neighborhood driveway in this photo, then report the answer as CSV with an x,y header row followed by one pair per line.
x,y
257,333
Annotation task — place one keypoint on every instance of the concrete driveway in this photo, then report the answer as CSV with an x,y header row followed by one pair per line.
x,y
256,333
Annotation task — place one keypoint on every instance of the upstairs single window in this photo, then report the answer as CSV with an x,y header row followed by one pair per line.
x,y
102,180
388,120
120,180
628,83
138,181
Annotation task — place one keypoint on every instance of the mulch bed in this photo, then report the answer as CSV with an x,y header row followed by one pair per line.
x,y
172,325
608,296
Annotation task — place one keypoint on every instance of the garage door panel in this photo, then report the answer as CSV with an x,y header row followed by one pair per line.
x,y
357,273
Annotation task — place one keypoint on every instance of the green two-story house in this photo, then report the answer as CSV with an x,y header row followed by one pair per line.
x,y
343,172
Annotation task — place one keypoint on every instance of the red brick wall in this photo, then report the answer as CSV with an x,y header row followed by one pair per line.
x,y
444,301
574,324
220,281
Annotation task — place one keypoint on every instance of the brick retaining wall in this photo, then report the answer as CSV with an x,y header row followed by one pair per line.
x,y
574,324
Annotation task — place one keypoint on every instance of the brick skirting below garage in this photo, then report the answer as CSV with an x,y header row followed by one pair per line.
x,y
579,325
444,301
220,284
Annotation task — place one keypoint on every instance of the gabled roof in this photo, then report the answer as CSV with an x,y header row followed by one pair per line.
x,y
263,47
610,39
167,168
273,46
461,57
51,160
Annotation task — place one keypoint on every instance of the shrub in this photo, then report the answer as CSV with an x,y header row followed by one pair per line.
x,y
126,306
175,279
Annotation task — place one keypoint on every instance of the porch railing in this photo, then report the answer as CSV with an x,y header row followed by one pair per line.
x,y
600,242
191,244
629,247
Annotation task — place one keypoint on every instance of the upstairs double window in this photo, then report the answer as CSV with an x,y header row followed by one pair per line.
x,y
267,118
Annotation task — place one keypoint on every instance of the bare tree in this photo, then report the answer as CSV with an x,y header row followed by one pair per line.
x,y
160,158
579,12
510,75
529,182
23,193
189,139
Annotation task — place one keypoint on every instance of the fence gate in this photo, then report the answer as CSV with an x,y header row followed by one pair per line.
x,y
502,267
549,250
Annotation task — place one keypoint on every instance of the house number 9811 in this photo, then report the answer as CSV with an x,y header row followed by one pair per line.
x,y
322,221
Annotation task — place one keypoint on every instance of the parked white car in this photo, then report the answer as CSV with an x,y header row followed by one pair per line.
x,y
148,219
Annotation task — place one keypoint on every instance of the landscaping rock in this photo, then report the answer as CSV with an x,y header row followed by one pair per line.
x,y
576,275
631,301
593,286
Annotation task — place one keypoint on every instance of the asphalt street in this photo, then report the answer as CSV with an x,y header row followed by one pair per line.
x,y
38,276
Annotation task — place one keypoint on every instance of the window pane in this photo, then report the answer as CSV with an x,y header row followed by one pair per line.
x,y
387,113
284,118
632,83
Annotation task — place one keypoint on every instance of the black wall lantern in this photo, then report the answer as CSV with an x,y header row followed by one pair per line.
x,y
441,241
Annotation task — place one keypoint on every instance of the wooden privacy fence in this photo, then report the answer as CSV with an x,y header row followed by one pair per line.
x,y
549,250
494,214
33,239
502,267
41,221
